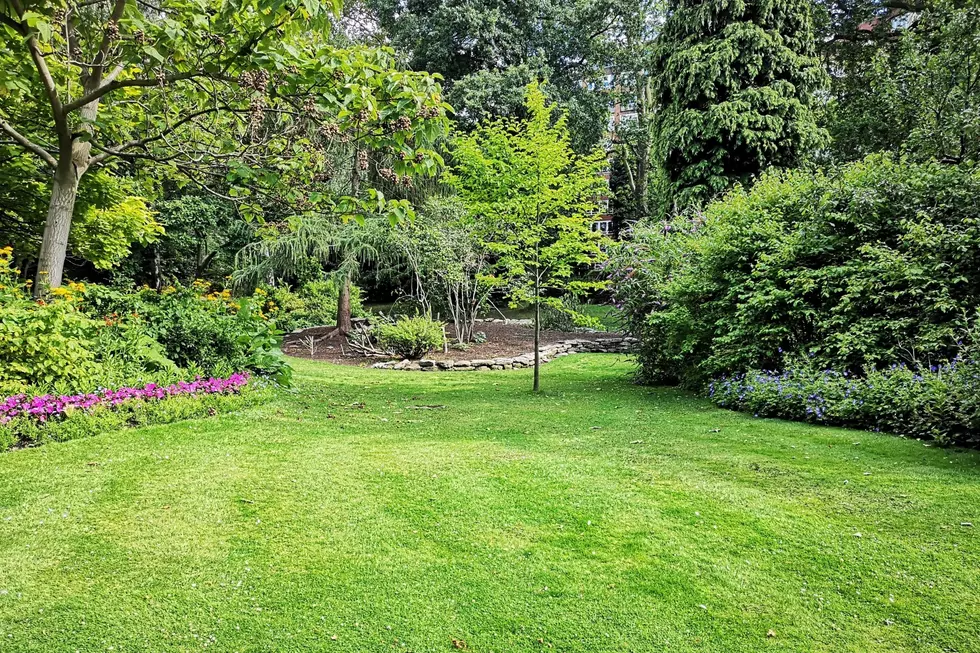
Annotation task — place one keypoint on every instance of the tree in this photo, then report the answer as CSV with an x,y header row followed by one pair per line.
x,y
488,51
449,260
111,215
631,85
735,82
533,197
347,246
233,94
908,83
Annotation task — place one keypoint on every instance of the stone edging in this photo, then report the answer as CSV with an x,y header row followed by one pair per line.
x,y
549,352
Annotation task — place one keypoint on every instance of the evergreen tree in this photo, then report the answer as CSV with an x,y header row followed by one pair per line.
x,y
736,81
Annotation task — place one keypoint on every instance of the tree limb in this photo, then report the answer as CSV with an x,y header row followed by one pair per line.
x,y
27,144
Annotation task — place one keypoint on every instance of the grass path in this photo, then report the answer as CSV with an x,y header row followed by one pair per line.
x,y
351,515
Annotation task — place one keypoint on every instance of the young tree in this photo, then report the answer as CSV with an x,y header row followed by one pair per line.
x,y
533,196
735,82
224,92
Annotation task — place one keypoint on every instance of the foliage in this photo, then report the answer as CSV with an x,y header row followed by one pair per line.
x,y
489,51
199,329
313,304
410,337
940,402
875,264
533,197
111,215
910,85
735,82
571,314
45,342
249,111
203,234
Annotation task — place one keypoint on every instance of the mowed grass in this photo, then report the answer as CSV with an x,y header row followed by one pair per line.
x,y
389,511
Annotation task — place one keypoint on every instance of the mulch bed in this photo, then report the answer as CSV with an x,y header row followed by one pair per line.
x,y
503,340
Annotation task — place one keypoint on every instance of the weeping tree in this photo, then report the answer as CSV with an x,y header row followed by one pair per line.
x,y
346,247
232,95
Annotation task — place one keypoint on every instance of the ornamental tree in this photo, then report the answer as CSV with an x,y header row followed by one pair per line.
x,y
533,197
238,96
735,82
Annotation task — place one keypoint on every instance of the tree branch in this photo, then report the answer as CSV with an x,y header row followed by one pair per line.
x,y
113,85
50,87
27,144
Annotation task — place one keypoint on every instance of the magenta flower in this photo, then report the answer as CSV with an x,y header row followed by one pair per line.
x,y
45,407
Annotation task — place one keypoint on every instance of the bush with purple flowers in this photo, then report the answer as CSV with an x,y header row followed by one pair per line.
x,y
32,419
940,402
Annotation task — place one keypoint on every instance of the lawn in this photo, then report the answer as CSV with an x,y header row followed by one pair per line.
x,y
388,511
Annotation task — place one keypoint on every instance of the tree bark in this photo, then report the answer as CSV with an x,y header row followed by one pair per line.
x,y
343,307
54,245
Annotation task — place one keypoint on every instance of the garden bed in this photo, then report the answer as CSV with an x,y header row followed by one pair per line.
x,y
503,341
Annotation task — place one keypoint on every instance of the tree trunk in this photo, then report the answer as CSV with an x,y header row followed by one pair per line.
x,y
343,307
537,337
54,245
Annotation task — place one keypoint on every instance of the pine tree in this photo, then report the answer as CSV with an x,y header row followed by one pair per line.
x,y
736,82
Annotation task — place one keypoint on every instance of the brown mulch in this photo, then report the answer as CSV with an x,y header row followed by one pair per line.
x,y
503,340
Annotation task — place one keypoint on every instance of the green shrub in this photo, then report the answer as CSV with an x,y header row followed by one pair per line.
x,y
46,343
43,341
411,337
941,402
567,314
203,331
876,263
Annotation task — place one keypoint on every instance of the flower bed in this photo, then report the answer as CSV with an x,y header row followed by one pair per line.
x,y
27,420
45,407
941,401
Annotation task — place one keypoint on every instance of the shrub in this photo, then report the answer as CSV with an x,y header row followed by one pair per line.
x,y
207,332
411,337
941,402
42,341
567,314
876,263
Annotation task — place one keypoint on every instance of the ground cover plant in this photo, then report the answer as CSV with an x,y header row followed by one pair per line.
x,y
373,511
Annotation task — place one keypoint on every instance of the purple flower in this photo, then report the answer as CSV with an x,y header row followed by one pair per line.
x,y
42,407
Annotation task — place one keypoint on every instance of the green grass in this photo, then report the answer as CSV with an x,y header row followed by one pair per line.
x,y
598,516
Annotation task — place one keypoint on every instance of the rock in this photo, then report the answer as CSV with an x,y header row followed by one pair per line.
x,y
402,364
444,365
460,364
462,368
426,363
481,362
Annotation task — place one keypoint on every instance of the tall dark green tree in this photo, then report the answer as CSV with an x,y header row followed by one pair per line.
x,y
736,82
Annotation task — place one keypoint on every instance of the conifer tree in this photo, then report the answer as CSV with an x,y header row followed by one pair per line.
x,y
736,82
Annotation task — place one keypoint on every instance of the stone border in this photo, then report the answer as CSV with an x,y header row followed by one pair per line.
x,y
617,345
